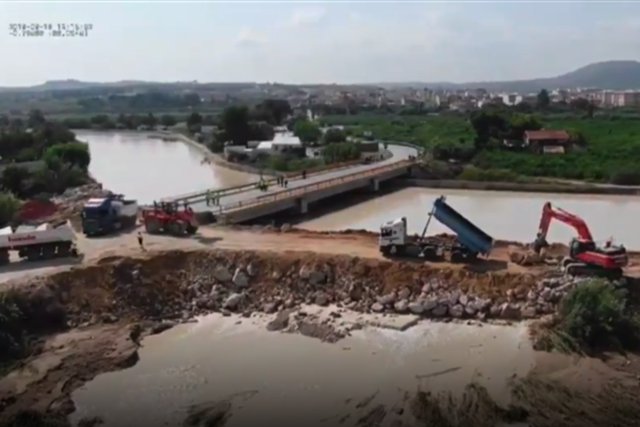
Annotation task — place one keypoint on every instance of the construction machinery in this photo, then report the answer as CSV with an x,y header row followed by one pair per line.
x,y
470,241
169,218
35,243
585,258
109,214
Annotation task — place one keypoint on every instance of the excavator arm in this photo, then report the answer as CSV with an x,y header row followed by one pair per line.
x,y
549,213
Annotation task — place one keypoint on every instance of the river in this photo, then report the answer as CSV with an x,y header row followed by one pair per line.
x,y
147,169
290,379
503,215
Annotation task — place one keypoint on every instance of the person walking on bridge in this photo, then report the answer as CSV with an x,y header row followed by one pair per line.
x,y
207,197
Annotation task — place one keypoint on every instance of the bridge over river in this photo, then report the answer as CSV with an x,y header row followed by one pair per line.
x,y
246,202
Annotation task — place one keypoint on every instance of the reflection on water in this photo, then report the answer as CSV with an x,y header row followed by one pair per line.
x,y
504,215
298,380
148,169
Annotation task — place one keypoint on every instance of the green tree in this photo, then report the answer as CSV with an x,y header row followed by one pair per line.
x,y
273,111
307,131
543,100
340,152
150,120
260,131
488,124
36,119
334,135
167,120
235,122
14,179
520,123
72,153
9,205
194,120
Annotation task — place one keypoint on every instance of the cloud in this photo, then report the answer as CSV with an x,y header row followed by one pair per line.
x,y
250,38
307,16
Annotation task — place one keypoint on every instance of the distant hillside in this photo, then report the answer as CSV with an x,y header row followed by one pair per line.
x,y
617,75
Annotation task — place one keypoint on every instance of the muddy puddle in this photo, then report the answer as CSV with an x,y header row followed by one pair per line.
x,y
290,379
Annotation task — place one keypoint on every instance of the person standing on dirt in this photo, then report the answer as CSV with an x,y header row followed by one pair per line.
x,y
141,241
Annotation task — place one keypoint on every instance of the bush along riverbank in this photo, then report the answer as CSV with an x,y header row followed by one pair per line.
x,y
40,159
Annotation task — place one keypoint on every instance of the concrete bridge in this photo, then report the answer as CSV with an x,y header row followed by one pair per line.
x,y
246,202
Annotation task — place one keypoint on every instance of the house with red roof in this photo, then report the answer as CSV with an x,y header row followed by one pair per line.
x,y
547,141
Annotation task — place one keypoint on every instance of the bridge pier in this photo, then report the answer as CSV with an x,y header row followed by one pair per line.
x,y
375,184
304,205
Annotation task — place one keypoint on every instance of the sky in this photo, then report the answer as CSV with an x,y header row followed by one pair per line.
x,y
316,42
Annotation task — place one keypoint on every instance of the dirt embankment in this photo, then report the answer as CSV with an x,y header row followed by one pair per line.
x,y
181,284
90,319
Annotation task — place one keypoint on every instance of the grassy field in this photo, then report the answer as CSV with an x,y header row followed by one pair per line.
x,y
427,131
613,147
613,144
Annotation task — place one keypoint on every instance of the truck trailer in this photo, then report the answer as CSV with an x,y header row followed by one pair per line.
x,y
45,241
470,241
107,215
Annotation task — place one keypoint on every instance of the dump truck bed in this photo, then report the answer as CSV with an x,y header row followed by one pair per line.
x,y
468,233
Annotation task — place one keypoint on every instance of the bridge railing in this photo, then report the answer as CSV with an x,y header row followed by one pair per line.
x,y
251,186
285,194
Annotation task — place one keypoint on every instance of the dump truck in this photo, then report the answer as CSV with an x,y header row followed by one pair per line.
x,y
470,241
34,243
109,214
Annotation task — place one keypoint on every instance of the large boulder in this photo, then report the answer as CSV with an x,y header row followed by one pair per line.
x,y
233,301
222,274
240,278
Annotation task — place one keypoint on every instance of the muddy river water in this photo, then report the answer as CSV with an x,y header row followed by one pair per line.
x,y
147,168
290,379
504,215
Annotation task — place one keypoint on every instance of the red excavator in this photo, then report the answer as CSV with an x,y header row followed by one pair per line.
x,y
585,257
168,218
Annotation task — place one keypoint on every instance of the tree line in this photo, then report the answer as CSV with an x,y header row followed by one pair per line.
x,y
57,161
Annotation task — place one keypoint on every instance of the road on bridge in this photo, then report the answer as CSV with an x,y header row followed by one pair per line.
x,y
232,200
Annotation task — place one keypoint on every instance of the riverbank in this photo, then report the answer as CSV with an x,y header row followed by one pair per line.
x,y
91,319
525,187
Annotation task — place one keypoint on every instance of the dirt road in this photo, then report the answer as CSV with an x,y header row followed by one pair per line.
x,y
354,243
360,244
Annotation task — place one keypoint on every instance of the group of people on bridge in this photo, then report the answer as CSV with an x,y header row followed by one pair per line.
x,y
212,199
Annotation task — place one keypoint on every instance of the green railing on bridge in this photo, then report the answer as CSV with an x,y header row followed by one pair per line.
x,y
286,194
199,196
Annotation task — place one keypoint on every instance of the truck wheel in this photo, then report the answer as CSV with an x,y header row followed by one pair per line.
x,y
152,226
4,257
177,228
393,250
191,229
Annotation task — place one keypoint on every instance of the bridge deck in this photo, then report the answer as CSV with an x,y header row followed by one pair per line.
x,y
307,188
232,197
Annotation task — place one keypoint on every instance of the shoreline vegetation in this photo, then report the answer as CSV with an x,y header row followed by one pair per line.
x,y
527,185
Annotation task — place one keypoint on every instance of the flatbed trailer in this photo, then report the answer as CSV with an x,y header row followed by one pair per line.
x,y
470,240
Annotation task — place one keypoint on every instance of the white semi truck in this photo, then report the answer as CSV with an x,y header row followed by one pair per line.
x,y
34,243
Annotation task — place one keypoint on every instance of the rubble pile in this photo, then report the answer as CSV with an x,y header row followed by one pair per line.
x,y
71,202
179,285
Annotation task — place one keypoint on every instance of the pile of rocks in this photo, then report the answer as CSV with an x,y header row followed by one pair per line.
x,y
230,283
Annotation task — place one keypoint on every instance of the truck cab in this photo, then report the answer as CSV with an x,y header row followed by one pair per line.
x,y
98,216
393,236
106,215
